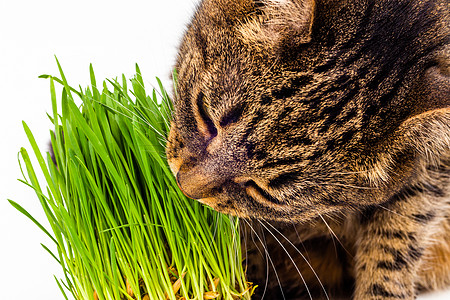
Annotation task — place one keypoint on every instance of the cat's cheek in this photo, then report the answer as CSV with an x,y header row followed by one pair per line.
x,y
174,159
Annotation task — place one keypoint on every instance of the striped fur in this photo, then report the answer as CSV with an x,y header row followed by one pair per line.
x,y
306,112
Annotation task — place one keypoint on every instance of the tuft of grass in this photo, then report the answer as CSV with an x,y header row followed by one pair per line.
x,y
120,225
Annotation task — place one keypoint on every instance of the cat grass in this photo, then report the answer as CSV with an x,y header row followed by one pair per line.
x,y
120,227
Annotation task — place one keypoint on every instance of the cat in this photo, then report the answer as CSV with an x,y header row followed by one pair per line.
x,y
327,124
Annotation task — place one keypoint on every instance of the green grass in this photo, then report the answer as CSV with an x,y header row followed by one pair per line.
x,y
120,225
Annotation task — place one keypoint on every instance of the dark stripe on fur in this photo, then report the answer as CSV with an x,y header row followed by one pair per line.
x,y
379,290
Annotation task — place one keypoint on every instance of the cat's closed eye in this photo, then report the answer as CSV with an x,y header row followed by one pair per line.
x,y
211,130
232,115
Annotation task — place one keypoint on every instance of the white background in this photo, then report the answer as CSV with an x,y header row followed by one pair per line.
x,y
113,35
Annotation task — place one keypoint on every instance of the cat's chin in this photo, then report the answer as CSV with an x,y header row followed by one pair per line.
x,y
225,207
241,212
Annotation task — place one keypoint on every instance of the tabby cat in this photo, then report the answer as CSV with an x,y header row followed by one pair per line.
x,y
327,123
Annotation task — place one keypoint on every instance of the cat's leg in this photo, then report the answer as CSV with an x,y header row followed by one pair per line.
x,y
434,272
392,242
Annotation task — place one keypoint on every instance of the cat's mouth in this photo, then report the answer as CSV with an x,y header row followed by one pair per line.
x,y
216,200
213,193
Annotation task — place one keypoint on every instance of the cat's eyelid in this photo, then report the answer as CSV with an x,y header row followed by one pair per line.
x,y
232,116
257,192
206,125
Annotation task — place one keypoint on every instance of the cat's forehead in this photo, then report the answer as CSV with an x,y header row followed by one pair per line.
x,y
226,29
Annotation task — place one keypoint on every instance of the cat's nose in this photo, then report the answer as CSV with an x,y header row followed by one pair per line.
x,y
198,184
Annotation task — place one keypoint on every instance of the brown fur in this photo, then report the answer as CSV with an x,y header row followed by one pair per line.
x,y
334,117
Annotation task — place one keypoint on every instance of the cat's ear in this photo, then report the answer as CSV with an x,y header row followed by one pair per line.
x,y
429,128
279,23
226,13
434,90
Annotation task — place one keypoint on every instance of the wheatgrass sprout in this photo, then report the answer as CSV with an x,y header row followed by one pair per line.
x,y
121,227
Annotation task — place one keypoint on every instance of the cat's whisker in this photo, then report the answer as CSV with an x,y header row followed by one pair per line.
x,y
166,121
244,234
236,237
289,256
268,259
300,239
140,120
394,212
216,225
144,122
334,235
348,173
301,254
163,141
267,255
346,185
399,214
157,91
267,71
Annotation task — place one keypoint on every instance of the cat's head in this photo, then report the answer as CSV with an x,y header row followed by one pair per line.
x,y
289,109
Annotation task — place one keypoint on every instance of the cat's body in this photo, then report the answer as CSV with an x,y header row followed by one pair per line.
x,y
333,118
